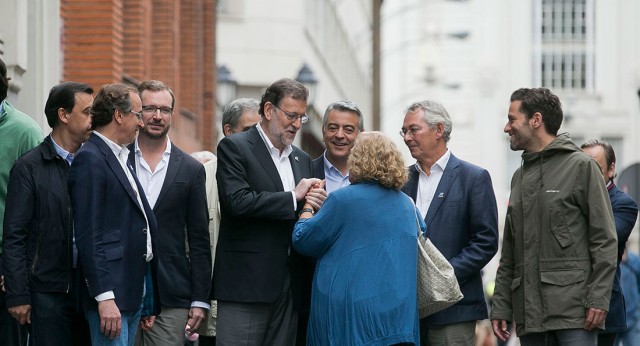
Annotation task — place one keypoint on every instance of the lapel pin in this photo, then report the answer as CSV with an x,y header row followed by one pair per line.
x,y
296,158
441,195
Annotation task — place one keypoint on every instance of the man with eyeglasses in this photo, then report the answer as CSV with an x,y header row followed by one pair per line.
x,y
263,182
457,201
174,184
114,224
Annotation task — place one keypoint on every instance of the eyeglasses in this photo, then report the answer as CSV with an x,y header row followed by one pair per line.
x,y
153,109
137,114
293,116
410,131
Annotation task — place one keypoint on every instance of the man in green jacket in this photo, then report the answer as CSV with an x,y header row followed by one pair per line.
x,y
559,247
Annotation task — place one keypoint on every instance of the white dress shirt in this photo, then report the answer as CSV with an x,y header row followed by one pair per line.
x,y
152,180
283,165
427,184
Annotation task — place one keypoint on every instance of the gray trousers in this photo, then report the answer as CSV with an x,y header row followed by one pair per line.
x,y
562,337
258,323
168,329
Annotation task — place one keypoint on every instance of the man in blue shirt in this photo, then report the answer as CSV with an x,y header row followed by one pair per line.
x,y
341,125
39,263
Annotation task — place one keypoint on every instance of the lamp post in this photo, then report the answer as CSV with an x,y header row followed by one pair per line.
x,y
226,86
308,79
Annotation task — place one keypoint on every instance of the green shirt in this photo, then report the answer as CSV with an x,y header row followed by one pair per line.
x,y
18,134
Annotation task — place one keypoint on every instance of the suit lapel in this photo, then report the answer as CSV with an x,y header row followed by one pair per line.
x,y
448,178
295,166
263,156
411,187
114,165
175,159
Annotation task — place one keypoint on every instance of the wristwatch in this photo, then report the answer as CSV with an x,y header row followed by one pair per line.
x,y
307,210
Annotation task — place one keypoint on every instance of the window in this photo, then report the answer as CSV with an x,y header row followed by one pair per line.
x,y
564,40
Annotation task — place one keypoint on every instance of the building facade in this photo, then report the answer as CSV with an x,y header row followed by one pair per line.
x,y
471,55
107,41
262,41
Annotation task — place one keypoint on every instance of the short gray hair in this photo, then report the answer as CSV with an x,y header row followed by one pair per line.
x,y
344,106
234,110
434,114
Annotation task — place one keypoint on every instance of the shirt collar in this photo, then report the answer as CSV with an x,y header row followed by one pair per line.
x,y
167,150
2,109
63,153
330,167
287,150
441,163
118,150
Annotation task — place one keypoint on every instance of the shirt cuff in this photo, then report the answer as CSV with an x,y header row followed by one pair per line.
x,y
197,304
295,203
105,296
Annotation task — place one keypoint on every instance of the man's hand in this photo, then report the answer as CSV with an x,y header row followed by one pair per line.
x,y
303,187
196,315
110,318
594,318
146,322
22,313
316,195
500,329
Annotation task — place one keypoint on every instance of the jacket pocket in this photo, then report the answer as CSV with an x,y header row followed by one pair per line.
x,y
559,226
563,293
517,299
114,253
111,237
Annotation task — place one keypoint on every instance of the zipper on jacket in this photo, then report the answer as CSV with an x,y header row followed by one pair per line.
x,y
37,255
69,248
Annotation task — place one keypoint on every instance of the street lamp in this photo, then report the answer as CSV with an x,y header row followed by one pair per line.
x,y
308,79
226,86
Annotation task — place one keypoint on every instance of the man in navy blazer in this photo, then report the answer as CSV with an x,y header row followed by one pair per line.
x,y
262,187
113,223
460,211
625,213
174,184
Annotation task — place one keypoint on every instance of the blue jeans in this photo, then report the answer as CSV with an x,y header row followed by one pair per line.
x,y
562,337
56,320
127,337
631,337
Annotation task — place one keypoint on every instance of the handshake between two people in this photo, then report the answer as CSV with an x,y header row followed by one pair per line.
x,y
312,191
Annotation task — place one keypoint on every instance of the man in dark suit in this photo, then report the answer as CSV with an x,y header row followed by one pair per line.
x,y
341,125
460,211
39,265
625,213
262,187
174,184
113,222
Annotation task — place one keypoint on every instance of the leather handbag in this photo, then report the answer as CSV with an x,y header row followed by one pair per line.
x,y
438,286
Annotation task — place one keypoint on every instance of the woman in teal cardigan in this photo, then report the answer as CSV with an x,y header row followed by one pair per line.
x,y
364,240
